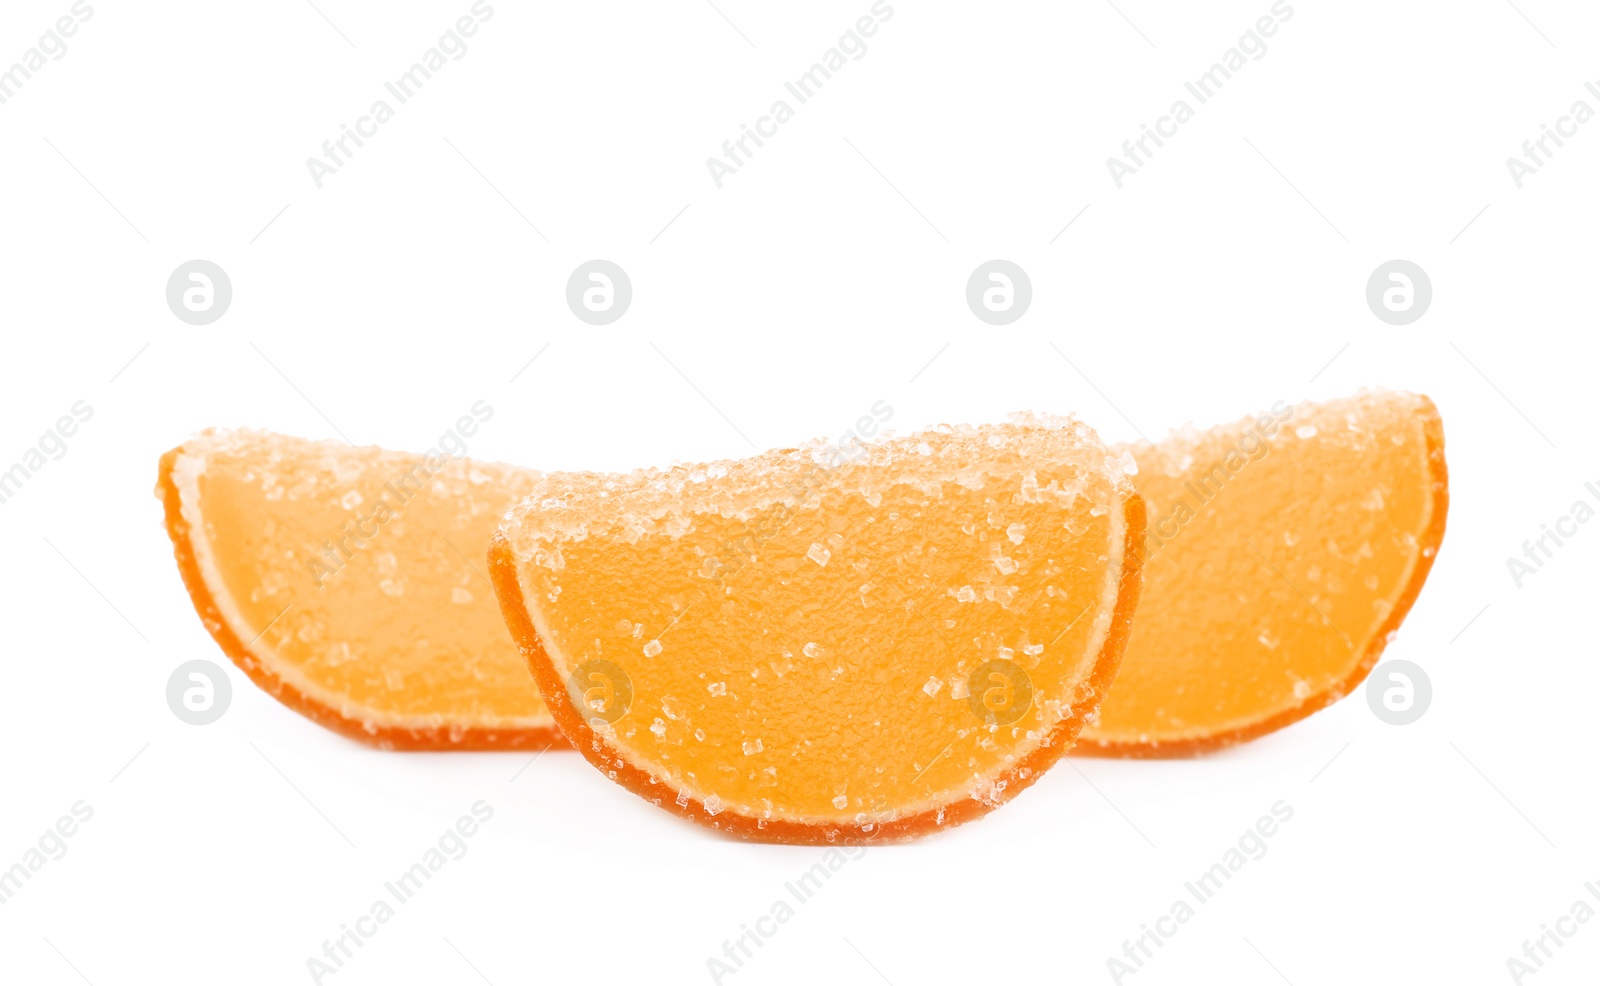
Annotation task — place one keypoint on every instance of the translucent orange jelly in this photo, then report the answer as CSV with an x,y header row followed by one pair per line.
x,y
1282,553
349,583
807,646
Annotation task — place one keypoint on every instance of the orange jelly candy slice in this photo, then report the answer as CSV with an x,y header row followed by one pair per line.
x,y
345,582
827,645
1282,553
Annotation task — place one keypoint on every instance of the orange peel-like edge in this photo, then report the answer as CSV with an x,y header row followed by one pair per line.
x,y
1432,538
383,737
1012,781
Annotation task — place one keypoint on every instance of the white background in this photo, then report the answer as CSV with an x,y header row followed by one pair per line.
x,y
822,278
